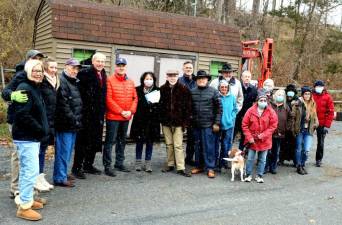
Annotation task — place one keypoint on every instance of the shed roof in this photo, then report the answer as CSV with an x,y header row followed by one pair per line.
x,y
94,22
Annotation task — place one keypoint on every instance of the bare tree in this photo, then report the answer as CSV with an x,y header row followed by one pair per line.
x,y
219,10
256,7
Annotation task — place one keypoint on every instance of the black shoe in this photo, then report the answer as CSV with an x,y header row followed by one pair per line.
x,y
318,163
304,170
122,169
79,174
273,172
92,170
183,173
168,169
300,170
110,172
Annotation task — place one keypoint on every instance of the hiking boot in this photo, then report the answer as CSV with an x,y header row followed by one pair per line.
x,y
259,179
248,178
28,214
211,174
138,166
43,180
183,173
92,170
148,166
300,170
110,172
40,185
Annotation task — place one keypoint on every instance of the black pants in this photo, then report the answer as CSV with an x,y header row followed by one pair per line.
x,y
321,132
190,149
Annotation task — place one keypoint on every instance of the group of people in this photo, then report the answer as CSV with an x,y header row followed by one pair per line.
x,y
68,110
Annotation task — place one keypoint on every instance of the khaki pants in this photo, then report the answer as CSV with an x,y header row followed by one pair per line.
x,y
174,146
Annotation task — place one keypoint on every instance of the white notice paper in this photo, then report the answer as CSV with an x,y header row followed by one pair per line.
x,y
153,96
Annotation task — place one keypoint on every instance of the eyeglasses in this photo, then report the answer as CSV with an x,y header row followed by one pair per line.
x,y
37,71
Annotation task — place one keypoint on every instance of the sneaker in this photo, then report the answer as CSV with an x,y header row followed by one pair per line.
x,y
79,174
122,169
259,179
92,170
138,166
248,178
40,186
148,166
110,172
183,173
300,170
44,181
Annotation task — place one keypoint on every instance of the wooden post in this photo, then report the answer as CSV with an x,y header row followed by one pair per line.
x,y
2,77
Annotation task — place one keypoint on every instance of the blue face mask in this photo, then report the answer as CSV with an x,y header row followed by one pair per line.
x,y
319,89
280,98
262,105
290,94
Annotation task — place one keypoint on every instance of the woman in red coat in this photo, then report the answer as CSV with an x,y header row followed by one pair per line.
x,y
258,125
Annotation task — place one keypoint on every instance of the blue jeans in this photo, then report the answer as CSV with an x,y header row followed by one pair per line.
x,y
29,168
226,145
273,155
115,134
205,150
65,142
261,162
139,149
303,145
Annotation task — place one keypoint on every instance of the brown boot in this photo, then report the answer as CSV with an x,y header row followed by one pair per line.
x,y
28,214
40,200
37,205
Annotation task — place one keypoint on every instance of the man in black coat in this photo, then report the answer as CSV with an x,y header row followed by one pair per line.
x,y
250,94
89,139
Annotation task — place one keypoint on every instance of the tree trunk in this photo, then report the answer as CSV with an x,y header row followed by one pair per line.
x,y
274,4
230,11
256,7
219,10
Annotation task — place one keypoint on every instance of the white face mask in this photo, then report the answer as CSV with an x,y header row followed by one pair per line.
x,y
148,83
319,89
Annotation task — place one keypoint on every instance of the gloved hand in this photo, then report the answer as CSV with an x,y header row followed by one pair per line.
x,y
19,96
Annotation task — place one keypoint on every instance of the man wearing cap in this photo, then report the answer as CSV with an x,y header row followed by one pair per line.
x,y
92,87
68,121
121,104
10,94
235,85
175,106
325,114
188,81
206,119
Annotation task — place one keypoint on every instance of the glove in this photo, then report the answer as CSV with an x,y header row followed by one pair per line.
x,y
19,96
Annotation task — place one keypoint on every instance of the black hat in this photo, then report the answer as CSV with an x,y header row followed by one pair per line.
x,y
291,87
319,83
202,73
305,89
226,68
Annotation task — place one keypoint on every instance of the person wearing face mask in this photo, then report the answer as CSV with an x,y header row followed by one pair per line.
x,y
68,120
145,127
175,113
30,126
325,113
121,104
284,120
305,122
93,89
258,125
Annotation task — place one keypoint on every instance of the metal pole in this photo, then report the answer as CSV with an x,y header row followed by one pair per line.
x,y
2,77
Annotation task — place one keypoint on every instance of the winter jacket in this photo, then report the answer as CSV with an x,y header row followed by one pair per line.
x,y
29,119
325,108
146,122
234,87
250,95
175,105
259,128
206,107
229,110
49,94
69,105
298,112
189,83
19,77
284,120
121,96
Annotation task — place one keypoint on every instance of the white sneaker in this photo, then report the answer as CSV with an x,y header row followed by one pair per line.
x,y
40,186
248,179
259,179
44,181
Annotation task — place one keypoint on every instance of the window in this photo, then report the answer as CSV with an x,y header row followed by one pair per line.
x,y
83,55
215,66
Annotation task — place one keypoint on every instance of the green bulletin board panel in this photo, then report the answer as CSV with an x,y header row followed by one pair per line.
x,y
82,54
215,66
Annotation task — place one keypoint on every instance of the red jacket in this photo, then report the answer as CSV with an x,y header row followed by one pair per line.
x,y
324,108
259,128
121,96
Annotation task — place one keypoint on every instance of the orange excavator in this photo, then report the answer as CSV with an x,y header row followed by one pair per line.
x,y
260,51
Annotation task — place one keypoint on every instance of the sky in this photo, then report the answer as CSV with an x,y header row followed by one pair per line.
x,y
334,16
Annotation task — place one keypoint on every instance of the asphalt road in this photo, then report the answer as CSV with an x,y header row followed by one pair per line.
x,y
141,198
